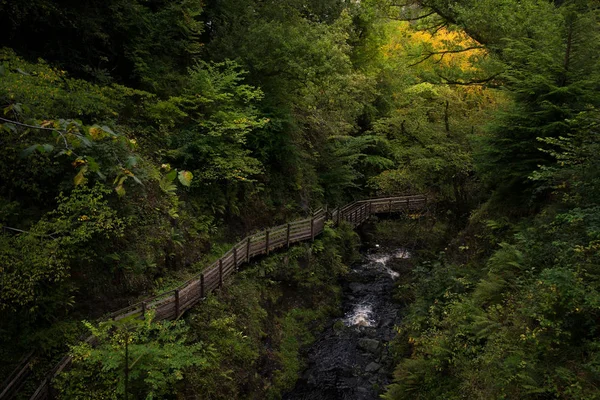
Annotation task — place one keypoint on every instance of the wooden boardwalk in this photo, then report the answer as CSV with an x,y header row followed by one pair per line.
x,y
172,304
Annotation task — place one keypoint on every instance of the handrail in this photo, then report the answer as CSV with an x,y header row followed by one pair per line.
x,y
173,303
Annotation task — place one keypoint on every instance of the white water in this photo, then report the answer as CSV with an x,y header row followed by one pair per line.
x,y
361,315
381,260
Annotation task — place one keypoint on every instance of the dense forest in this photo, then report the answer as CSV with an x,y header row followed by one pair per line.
x,y
141,138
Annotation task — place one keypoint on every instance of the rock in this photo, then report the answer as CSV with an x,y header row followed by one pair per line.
x,y
370,345
387,322
356,287
369,332
347,383
372,367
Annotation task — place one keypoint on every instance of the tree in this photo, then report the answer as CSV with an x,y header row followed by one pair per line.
x,y
137,358
552,78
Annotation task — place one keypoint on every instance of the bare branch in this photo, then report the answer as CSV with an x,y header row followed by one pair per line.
x,y
444,52
473,82
26,125
437,28
31,233
408,19
64,138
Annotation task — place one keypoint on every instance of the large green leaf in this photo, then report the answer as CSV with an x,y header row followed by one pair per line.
x,y
185,177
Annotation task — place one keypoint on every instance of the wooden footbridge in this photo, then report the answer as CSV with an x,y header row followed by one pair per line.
x,y
172,304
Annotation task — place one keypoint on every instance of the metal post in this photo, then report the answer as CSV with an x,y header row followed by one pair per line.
x,y
176,303
220,273
287,239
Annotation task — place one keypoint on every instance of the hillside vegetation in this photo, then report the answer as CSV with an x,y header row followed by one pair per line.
x,y
140,138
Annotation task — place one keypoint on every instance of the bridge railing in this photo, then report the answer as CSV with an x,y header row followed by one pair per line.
x,y
172,304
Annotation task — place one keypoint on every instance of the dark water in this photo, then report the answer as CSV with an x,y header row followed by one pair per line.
x,y
350,359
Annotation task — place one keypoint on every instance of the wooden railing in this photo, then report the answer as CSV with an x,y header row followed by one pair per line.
x,y
172,304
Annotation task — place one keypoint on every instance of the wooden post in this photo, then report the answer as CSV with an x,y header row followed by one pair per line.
x,y
408,203
176,303
312,228
202,286
267,242
339,214
48,389
287,239
248,249
235,257
143,310
220,273
390,206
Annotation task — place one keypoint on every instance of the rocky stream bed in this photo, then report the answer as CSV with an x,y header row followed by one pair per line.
x,y
350,359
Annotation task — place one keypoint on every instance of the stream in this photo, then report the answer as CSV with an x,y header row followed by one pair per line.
x,y
350,359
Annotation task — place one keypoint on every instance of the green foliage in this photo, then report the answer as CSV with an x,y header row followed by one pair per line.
x,y
142,358
427,123
219,115
512,313
302,61
552,80
148,44
37,264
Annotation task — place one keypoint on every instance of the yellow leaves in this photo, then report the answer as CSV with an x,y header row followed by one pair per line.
x,y
404,40
120,190
78,162
96,133
80,178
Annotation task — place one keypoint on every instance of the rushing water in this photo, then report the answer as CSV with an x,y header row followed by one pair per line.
x,y
350,358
